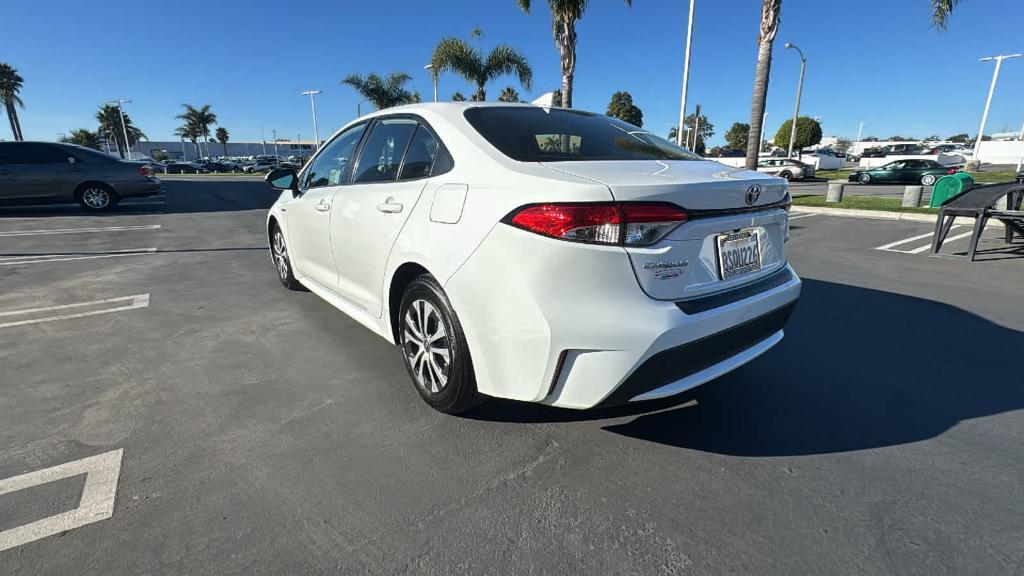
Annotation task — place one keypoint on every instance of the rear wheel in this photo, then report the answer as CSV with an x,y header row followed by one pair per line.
x,y
928,179
97,197
786,174
864,178
434,348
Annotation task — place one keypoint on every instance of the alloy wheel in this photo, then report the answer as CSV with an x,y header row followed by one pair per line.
x,y
280,253
96,198
427,346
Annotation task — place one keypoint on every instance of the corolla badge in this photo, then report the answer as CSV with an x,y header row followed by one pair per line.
x,y
753,193
666,270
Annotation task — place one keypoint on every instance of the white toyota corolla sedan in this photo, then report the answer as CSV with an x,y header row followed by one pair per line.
x,y
539,254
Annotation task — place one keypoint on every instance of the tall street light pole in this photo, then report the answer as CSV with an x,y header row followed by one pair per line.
x,y
359,108
276,155
686,76
312,100
433,76
988,102
799,91
859,130
120,110
764,120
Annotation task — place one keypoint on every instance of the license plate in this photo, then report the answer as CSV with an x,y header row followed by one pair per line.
x,y
738,253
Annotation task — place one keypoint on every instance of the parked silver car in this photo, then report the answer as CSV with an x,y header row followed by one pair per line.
x,y
786,168
47,172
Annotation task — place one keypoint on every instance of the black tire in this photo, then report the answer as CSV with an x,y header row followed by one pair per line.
x,y
786,174
928,180
96,197
447,386
864,178
282,261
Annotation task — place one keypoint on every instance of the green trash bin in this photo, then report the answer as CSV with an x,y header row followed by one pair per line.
x,y
949,186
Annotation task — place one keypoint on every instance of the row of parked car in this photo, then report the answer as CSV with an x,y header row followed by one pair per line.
x,y
254,165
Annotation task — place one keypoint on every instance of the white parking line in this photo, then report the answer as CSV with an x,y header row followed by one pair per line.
x,y
132,302
43,258
97,501
908,240
929,245
77,230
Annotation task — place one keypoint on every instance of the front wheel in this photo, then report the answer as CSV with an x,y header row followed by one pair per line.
x,y
97,197
283,263
786,174
434,348
864,178
928,180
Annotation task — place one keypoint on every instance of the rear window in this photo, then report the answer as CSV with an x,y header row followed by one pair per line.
x,y
534,134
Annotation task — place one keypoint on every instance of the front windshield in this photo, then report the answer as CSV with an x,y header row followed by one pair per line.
x,y
535,134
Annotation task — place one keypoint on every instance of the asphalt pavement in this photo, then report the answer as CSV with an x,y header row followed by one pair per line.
x,y
155,376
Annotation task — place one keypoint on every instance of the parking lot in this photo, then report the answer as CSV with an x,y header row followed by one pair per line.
x,y
247,429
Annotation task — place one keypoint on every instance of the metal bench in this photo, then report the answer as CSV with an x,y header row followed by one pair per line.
x,y
978,203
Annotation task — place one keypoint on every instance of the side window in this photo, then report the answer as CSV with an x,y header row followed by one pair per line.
x,y
329,167
383,151
424,157
32,153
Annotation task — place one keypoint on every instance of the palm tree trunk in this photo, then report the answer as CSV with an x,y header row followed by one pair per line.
x,y
10,118
769,26
195,144
225,144
481,93
17,123
567,56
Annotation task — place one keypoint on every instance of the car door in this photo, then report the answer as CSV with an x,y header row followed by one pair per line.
x,y
43,171
888,172
395,161
309,213
912,171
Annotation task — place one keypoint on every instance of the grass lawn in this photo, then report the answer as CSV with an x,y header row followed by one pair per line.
x,y
860,203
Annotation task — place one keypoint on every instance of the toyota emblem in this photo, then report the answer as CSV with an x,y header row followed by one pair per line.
x,y
753,193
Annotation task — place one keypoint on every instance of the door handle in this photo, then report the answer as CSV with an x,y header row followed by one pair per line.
x,y
323,207
390,206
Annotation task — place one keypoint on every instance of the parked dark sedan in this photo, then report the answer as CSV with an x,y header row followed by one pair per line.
x,y
904,171
46,172
184,168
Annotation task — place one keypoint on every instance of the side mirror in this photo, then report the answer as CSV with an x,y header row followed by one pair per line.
x,y
284,179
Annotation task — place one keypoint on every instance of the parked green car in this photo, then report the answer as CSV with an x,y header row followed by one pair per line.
x,y
904,172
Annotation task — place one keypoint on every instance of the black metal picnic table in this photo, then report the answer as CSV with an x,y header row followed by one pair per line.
x,y
978,203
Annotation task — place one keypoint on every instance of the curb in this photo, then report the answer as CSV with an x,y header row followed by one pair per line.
x,y
872,214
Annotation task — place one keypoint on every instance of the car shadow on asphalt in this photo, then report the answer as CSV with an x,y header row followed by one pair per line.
x,y
858,369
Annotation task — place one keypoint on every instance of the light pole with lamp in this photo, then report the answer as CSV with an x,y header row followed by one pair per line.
x,y
988,102
359,108
120,110
433,76
860,129
799,91
686,76
312,100
276,155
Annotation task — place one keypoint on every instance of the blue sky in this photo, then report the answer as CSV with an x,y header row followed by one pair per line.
x,y
874,61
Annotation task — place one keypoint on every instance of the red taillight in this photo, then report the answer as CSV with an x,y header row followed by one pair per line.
x,y
600,223
951,171
145,170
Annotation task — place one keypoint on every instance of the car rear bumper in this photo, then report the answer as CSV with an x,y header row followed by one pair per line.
x,y
136,188
568,324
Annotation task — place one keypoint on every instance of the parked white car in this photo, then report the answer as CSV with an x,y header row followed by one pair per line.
x,y
786,168
538,254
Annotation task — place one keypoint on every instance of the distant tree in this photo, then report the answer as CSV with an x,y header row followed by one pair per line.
x,y
190,133
509,94
933,138
672,133
109,118
736,137
556,98
842,145
158,155
718,151
870,139
83,137
223,137
457,55
622,107
199,121
898,138
383,92
808,133
458,97
705,130
959,138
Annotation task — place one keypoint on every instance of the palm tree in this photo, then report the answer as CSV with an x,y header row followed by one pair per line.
x,y
109,118
564,15
769,27
191,133
458,97
200,120
223,137
509,94
383,92
941,9
83,137
458,56
10,85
